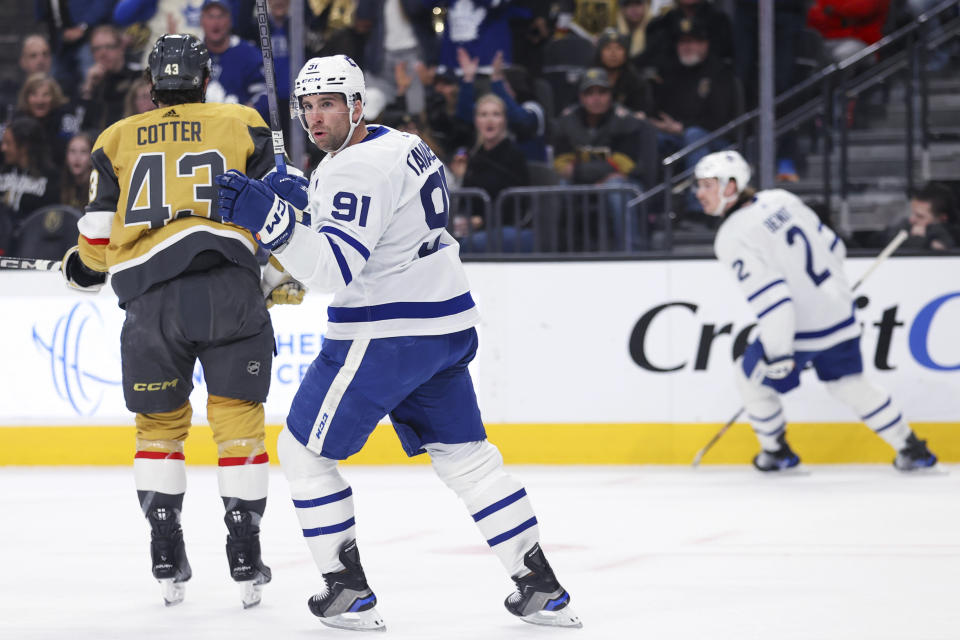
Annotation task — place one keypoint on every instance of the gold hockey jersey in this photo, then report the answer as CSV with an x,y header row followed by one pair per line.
x,y
153,201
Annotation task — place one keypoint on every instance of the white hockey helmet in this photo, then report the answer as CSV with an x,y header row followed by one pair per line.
x,y
724,166
331,74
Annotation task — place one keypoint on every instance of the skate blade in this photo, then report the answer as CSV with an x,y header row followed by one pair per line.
x,y
799,470
171,591
935,470
368,620
251,593
565,617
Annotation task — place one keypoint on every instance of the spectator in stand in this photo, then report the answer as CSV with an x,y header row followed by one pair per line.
x,y
138,98
400,32
108,79
75,176
159,17
632,23
663,30
28,179
34,58
932,220
442,97
847,26
695,93
589,17
599,142
482,27
527,121
629,87
494,164
42,99
69,23
237,66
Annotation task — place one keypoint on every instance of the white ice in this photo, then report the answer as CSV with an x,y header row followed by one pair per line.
x,y
845,552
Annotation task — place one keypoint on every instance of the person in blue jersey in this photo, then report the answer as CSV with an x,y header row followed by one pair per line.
x,y
236,74
400,335
789,266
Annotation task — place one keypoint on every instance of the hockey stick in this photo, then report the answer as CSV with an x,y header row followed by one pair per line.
x,y
266,48
894,244
29,264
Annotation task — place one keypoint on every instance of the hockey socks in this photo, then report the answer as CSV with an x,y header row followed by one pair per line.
x,y
323,501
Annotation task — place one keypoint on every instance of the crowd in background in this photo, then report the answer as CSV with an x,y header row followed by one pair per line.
x,y
508,93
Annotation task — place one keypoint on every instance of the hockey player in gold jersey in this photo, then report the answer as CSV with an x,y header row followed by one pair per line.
x,y
191,287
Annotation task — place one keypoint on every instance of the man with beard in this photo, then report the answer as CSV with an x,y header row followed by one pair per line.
x,y
694,93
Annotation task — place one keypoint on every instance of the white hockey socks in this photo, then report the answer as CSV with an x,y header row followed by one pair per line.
x,y
764,410
497,501
243,479
158,467
874,406
323,501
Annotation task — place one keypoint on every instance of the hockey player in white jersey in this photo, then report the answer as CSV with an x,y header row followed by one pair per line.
x,y
400,336
789,266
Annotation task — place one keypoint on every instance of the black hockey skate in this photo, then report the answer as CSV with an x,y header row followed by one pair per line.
x,y
779,460
243,555
539,598
347,602
914,455
168,555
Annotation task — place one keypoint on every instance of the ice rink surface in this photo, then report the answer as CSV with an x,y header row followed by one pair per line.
x,y
844,552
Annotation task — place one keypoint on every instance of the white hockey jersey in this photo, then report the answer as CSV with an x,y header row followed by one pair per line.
x,y
378,241
789,266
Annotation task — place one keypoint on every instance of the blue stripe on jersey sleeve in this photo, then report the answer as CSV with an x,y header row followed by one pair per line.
x,y
396,310
350,240
760,291
341,261
773,306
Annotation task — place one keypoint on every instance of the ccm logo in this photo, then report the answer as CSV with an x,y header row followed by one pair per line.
x,y
155,386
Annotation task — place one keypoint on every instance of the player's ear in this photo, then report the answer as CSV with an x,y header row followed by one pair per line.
x,y
731,189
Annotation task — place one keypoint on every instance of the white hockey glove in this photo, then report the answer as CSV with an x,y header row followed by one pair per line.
x,y
279,287
78,275
778,368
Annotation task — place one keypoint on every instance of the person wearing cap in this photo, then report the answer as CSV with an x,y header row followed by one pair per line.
x,y
629,87
695,93
662,32
600,142
237,65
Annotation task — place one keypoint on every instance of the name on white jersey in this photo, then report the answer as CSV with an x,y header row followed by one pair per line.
x,y
420,158
777,220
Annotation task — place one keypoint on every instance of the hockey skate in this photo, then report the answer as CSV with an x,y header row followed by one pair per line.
x,y
243,555
168,555
539,598
779,460
347,602
914,456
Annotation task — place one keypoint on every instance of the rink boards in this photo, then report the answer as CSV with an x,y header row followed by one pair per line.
x,y
596,362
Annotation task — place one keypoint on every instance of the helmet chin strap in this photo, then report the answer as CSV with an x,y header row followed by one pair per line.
x,y
353,125
722,200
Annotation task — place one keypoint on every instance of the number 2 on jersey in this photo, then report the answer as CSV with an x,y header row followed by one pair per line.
x,y
817,278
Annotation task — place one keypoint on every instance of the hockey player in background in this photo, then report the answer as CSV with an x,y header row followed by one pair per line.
x,y
190,285
789,266
400,335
